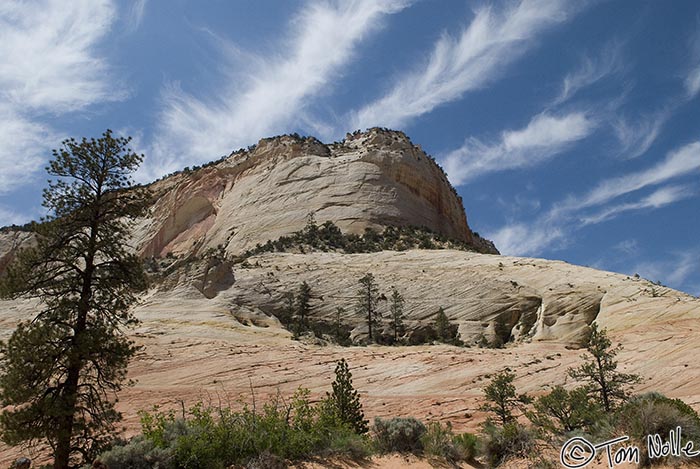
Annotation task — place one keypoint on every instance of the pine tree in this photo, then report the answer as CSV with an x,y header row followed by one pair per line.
x,y
367,299
501,397
303,306
60,372
445,331
397,315
600,371
441,325
339,336
289,309
344,402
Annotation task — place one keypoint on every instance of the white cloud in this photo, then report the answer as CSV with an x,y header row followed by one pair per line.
x,y
657,199
680,162
636,138
692,82
48,65
628,246
555,226
589,72
23,147
483,50
674,271
134,15
520,239
11,217
544,137
273,97
47,58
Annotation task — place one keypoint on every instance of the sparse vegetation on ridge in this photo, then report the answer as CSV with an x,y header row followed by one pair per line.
x,y
327,237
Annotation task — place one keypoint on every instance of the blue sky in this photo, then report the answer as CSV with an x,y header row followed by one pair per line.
x,y
570,128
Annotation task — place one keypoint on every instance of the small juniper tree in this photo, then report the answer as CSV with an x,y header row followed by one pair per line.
x,y
367,300
344,401
563,411
397,314
502,399
600,371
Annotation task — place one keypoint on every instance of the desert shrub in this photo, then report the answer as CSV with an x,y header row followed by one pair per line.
x,y
398,434
266,460
139,453
656,414
466,445
563,411
347,443
220,437
512,440
438,441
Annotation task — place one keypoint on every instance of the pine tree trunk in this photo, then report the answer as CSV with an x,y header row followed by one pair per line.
x,y
65,432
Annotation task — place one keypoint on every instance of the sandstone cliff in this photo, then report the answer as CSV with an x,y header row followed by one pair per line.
x,y
373,179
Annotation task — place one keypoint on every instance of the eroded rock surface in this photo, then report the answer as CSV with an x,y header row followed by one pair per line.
x,y
372,179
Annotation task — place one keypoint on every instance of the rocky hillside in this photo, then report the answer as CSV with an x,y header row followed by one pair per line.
x,y
373,179
203,220
211,321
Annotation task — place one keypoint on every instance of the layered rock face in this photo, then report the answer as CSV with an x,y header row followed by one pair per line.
x,y
492,299
373,179
10,242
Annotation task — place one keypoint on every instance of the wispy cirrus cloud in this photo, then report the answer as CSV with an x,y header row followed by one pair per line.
x,y
692,82
275,94
479,54
681,162
525,239
48,67
554,227
48,61
657,199
545,136
590,71
134,15
675,270
692,79
635,137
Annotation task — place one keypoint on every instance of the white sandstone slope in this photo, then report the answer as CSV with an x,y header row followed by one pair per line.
x,y
372,179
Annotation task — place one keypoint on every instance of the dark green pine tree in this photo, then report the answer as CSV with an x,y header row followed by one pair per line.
x,y
303,306
501,397
600,371
397,315
367,300
60,372
344,402
445,331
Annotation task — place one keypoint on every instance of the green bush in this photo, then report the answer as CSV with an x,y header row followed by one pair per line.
x,y
398,434
656,414
438,441
139,453
512,440
466,446
562,411
220,437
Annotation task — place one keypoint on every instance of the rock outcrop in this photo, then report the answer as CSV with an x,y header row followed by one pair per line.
x,y
492,299
10,242
370,180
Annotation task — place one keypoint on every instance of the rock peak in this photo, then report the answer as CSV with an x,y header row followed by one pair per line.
x,y
371,179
